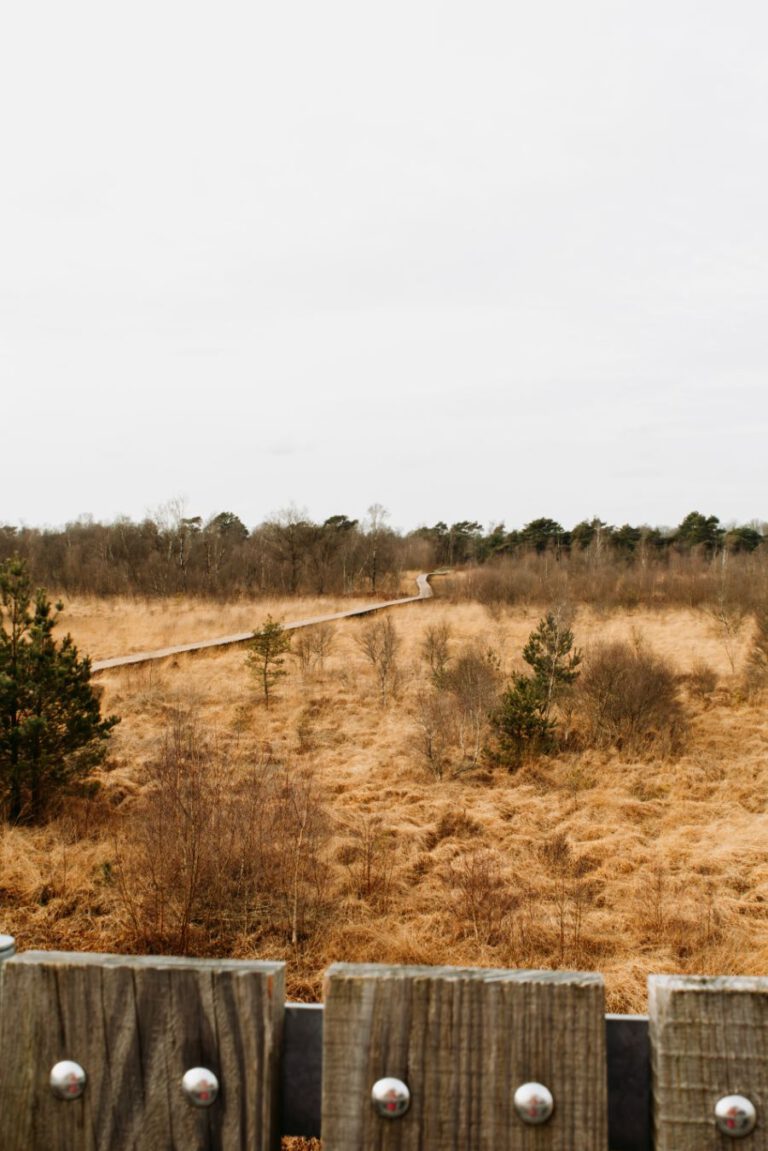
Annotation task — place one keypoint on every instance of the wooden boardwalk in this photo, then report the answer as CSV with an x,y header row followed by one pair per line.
x,y
422,582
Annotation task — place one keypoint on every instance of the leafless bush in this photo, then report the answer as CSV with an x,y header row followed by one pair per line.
x,y
368,855
729,617
434,650
209,853
628,698
683,913
298,828
311,646
653,901
481,898
474,681
435,731
702,679
380,644
573,890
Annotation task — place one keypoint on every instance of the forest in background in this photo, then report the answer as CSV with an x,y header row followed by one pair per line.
x,y
700,560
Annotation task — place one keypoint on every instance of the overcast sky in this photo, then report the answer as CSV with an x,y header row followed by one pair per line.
x,y
494,260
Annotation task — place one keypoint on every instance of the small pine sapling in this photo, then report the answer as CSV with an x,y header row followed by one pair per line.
x,y
266,653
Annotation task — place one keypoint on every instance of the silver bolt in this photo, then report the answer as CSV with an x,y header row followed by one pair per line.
x,y
735,1115
390,1097
67,1080
534,1103
200,1086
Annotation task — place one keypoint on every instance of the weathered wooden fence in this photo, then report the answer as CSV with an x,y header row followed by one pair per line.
x,y
110,1053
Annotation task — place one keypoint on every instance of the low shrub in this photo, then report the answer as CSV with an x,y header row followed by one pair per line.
x,y
628,698
702,679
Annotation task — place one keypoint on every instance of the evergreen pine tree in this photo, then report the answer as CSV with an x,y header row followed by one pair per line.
x,y
549,653
522,722
51,730
519,724
265,655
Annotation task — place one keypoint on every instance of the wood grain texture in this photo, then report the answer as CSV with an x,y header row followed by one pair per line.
x,y
709,1038
463,1040
136,1025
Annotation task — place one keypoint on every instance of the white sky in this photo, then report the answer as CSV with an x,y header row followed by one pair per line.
x,y
493,260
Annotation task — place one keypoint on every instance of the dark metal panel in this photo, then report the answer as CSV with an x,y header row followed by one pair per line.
x,y
629,1082
302,1069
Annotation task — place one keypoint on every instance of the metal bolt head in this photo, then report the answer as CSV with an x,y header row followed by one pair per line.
x,y
735,1115
200,1086
390,1097
67,1080
534,1103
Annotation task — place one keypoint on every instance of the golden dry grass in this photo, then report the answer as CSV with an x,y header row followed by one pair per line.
x,y
583,860
120,626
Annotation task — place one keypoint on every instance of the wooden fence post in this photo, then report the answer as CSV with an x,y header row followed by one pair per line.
x,y
136,1026
463,1041
709,1040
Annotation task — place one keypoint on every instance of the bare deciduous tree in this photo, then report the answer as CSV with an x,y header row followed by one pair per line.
x,y
380,644
729,618
473,680
434,650
435,726
312,645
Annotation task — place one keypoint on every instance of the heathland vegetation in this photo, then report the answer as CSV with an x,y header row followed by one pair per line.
x,y
560,760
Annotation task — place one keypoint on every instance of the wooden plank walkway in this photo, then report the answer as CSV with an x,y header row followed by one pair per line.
x,y
422,582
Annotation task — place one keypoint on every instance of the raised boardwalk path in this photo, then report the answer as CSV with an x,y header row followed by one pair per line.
x,y
422,582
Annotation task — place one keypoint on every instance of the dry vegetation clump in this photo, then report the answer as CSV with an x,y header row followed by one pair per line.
x,y
701,680
379,642
628,698
219,850
338,825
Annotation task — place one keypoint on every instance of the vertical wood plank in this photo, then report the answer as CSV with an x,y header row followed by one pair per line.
x,y
709,1038
463,1040
136,1026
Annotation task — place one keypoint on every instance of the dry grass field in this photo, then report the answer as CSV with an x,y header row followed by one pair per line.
x,y
321,833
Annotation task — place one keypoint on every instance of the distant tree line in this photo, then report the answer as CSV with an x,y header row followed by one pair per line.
x,y
466,542
170,553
